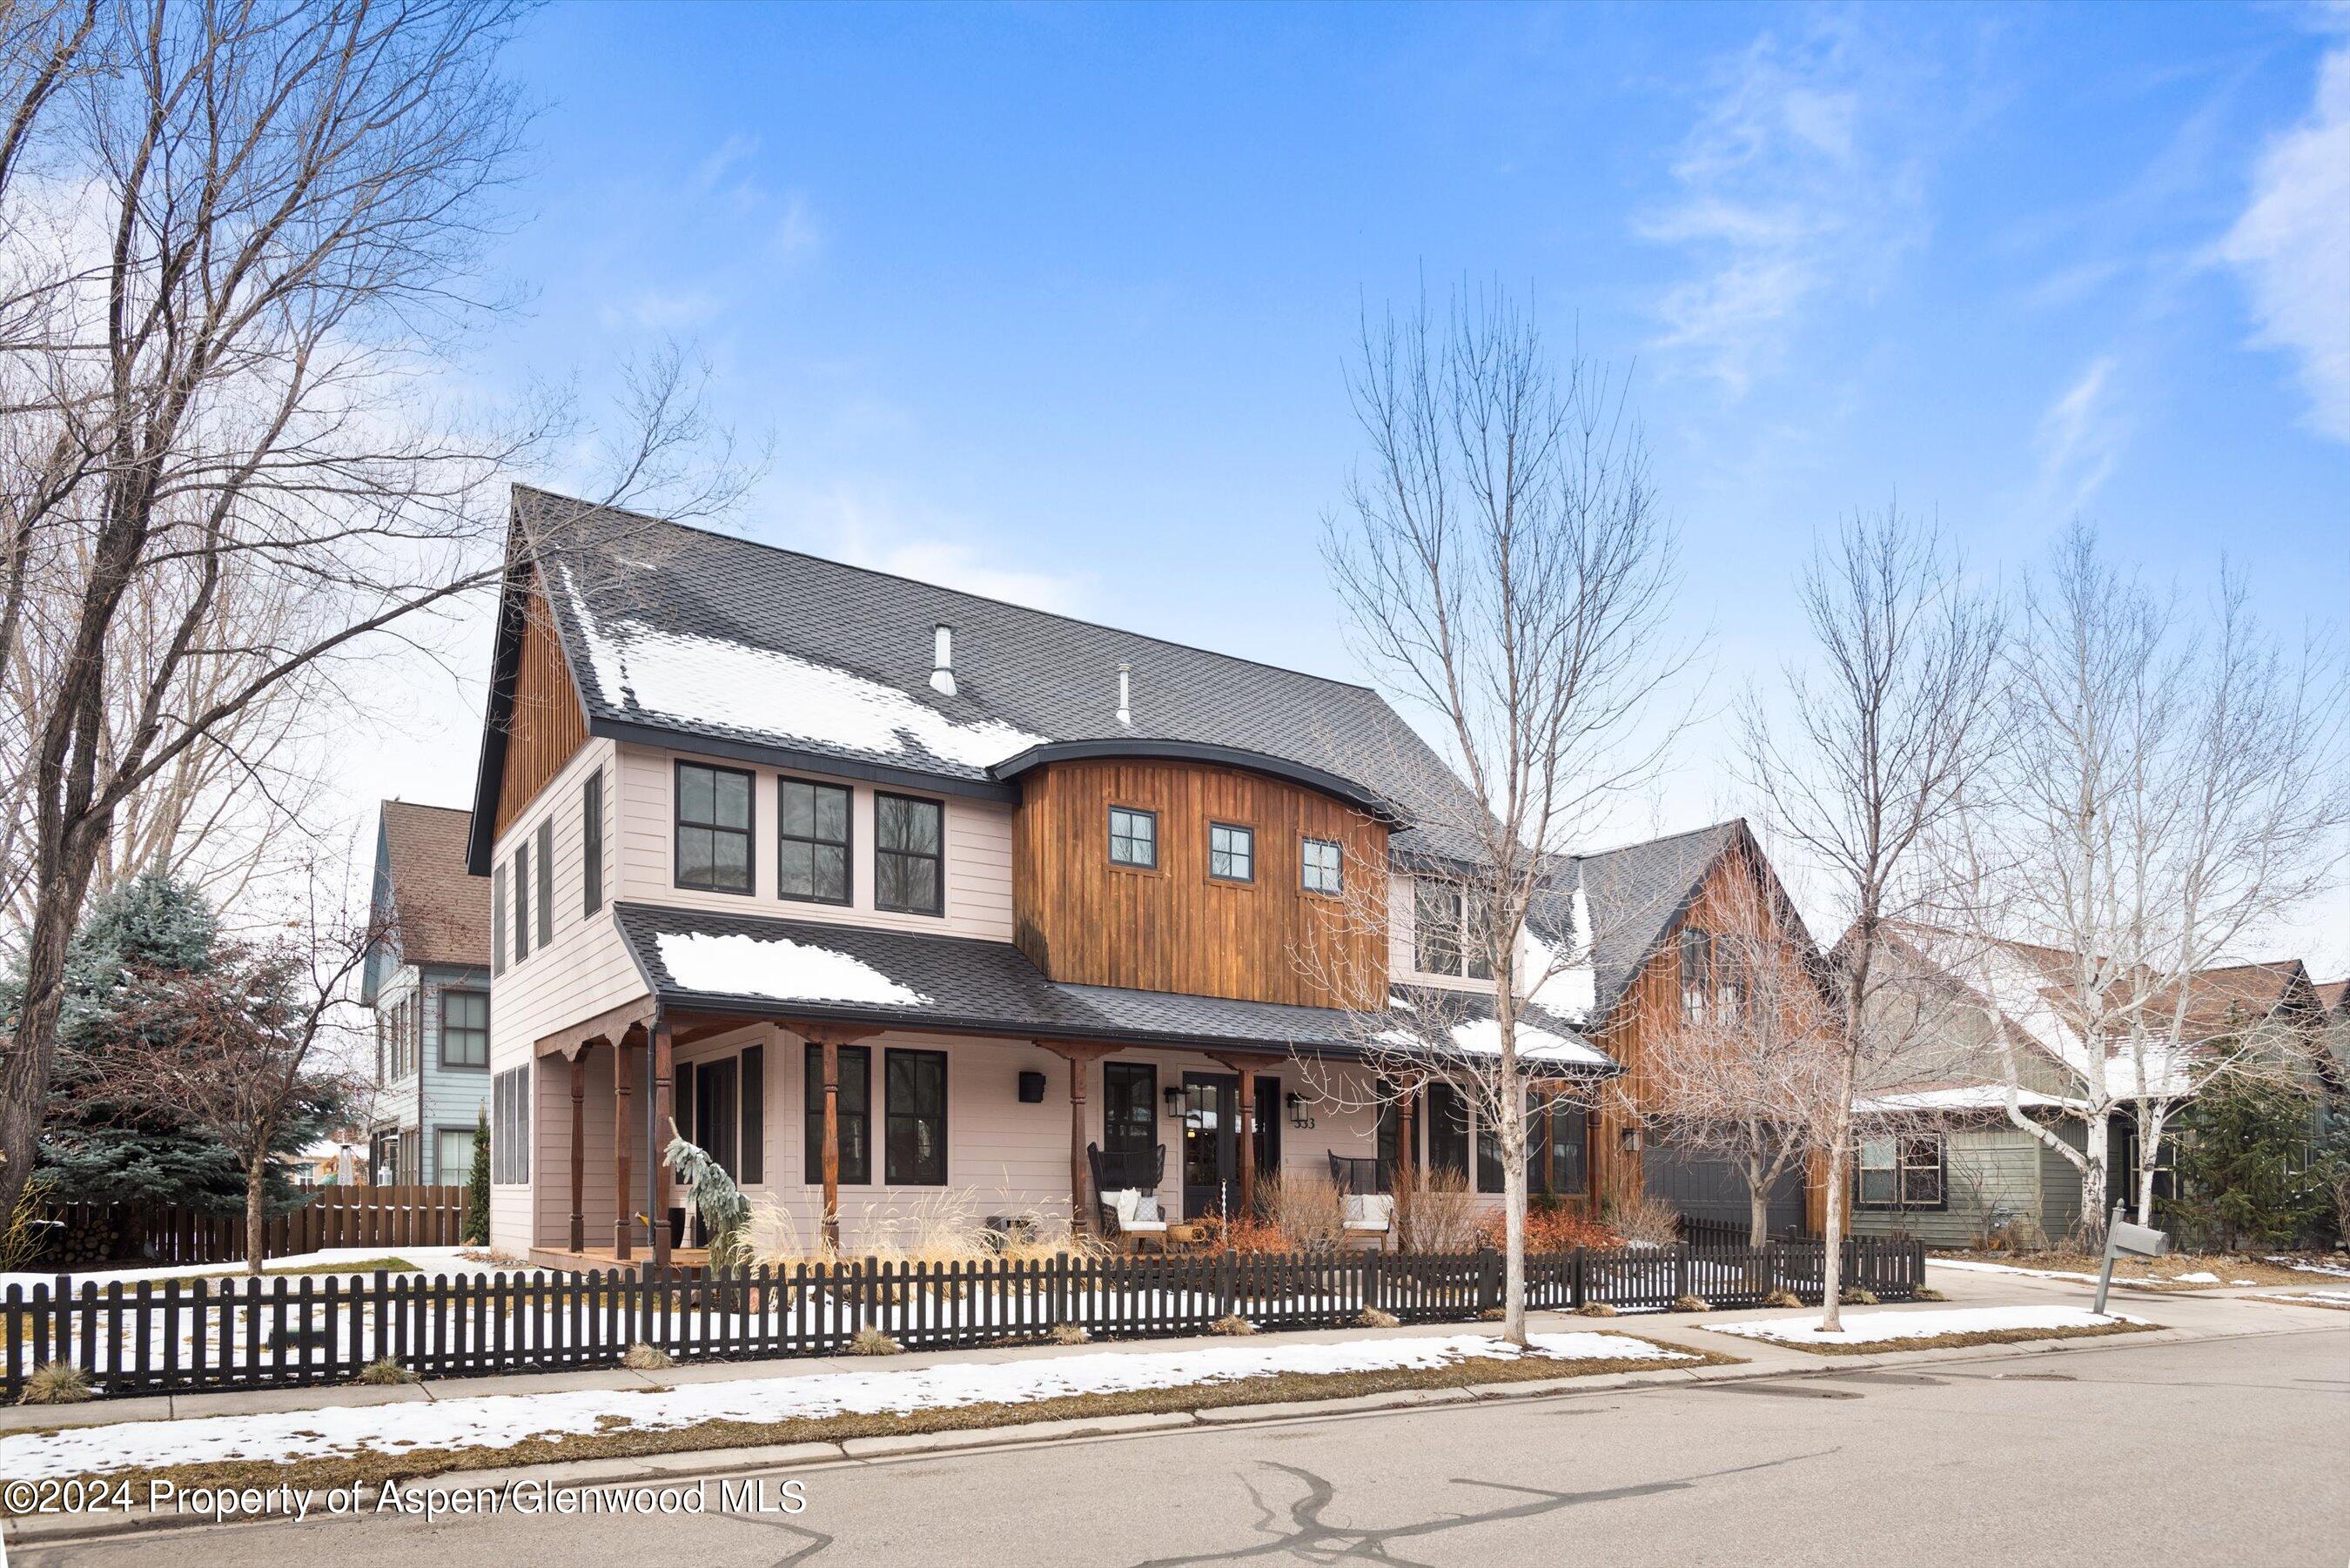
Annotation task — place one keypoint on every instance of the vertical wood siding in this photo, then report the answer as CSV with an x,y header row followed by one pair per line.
x,y
548,727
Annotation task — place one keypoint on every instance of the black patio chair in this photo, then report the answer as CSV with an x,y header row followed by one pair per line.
x,y
1118,1171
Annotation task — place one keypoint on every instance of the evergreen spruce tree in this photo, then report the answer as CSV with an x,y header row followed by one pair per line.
x,y
2248,1169
477,1184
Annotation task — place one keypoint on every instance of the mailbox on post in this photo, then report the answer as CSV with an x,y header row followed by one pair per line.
x,y
2139,1240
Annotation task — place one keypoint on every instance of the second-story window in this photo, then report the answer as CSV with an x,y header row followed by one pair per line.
x,y
1133,838
522,900
591,843
497,920
547,882
909,855
713,828
1448,929
1319,864
465,1029
1231,852
812,850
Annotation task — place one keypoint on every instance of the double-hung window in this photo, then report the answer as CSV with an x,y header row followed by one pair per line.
x,y
909,855
713,828
916,1145
497,920
1436,927
1231,852
522,900
591,843
1133,838
1903,1172
812,841
465,1029
1319,866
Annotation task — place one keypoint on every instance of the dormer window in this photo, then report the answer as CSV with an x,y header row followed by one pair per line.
x,y
1231,852
1133,838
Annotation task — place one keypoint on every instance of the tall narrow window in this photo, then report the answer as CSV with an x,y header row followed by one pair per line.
x,y
812,848
1447,1129
591,843
916,1148
522,900
1133,838
1231,852
1561,1137
497,920
1488,1156
1436,927
909,855
713,828
1697,971
1131,1109
1319,862
465,1029
856,1116
755,1116
1477,960
547,882
510,1126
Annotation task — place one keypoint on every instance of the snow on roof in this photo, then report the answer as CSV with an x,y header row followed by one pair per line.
x,y
1482,1037
1965,1097
689,679
782,969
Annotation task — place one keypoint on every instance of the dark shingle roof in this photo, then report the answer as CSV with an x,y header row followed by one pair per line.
x,y
1635,893
677,629
444,912
966,985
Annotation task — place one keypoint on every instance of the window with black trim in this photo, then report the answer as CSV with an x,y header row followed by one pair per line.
x,y
465,1029
1488,1156
1320,867
1133,838
591,843
1435,927
915,1147
1903,1172
522,900
812,841
909,855
497,920
856,1113
1447,1129
1231,852
1129,1107
547,882
713,828
1562,1141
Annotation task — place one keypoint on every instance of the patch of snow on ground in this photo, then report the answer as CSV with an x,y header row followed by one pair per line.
x,y
2309,1266
433,1261
502,1420
1886,1327
2200,1277
759,690
783,969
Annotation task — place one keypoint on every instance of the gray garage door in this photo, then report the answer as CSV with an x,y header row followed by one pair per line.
x,y
1706,1187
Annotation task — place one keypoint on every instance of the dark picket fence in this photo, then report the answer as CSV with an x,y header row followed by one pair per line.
x,y
186,1336
163,1235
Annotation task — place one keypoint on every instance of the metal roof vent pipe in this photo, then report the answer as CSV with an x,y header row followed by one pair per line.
x,y
1124,693
943,680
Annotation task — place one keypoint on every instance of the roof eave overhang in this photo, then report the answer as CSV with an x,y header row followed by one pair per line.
x,y
1321,780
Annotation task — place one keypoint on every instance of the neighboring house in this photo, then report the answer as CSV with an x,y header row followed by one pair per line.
x,y
764,832
2334,998
1940,1158
428,982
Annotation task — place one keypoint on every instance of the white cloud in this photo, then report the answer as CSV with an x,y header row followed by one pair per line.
x,y
2292,247
865,527
1796,183
2080,439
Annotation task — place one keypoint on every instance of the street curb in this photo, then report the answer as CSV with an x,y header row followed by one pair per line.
x,y
744,1463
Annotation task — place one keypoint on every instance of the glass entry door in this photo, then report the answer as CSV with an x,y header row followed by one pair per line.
x,y
1211,1153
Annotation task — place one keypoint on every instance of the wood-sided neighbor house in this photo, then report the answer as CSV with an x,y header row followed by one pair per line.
x,y
890,896
427,980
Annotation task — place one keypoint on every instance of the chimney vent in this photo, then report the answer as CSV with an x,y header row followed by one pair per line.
x,y
1125,692
943,680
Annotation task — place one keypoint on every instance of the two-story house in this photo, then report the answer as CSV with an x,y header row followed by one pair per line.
x,y
877,889
428,983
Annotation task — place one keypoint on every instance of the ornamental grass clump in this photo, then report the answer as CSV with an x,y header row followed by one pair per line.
x,y
1783,1299
1691,1303
1595,1309
385,1372
57,1383
1374,1317
871,1341
1065,1334
647,1359
1231,1324
1854,1295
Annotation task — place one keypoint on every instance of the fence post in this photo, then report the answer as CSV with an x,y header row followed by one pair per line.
x,y
1228,1281
1575,1288
1489,1280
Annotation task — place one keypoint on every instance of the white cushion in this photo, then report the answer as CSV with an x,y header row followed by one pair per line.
x,y
1146,1210
1369,1211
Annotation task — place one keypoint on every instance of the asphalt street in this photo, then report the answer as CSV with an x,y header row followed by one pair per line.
x,y
2155,1456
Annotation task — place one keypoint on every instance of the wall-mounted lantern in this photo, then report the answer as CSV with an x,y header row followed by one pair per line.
x,y
1174,1096
1032,1087
1296,1105
1630,1139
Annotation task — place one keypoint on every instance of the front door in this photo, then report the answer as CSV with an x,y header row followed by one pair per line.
x,y
1211,1153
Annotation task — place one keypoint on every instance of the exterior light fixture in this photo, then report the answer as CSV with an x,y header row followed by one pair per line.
x,y
1032,1087
1296,1106
1174,1098
1631,1138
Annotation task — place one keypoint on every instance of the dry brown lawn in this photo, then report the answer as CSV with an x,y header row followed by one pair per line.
x,y
2160,1272
619,1441
1959,1341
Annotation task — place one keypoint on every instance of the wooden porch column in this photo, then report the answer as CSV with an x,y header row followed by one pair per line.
x,y
1406,1139
664,1114
579,1148
832,1145
1245,1131
623,1201
1083,1200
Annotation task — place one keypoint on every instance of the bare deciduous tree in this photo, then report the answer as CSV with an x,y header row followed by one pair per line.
x,y
2175,786
242,243
1504,573
1864,764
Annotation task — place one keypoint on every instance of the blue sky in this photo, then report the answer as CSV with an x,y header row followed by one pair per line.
x,y
1055,302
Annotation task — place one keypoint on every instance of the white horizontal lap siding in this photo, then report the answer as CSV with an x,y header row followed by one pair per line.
x,y
585,970
977,862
